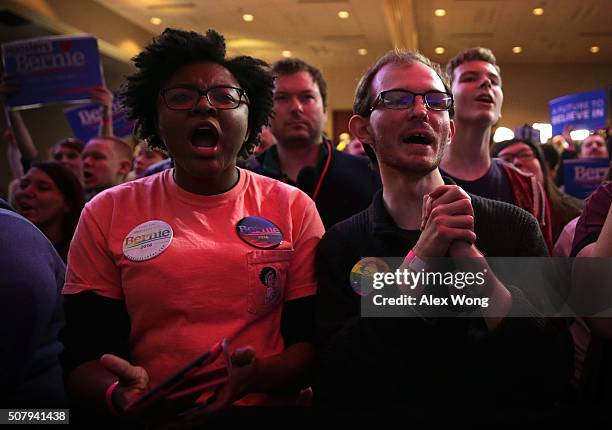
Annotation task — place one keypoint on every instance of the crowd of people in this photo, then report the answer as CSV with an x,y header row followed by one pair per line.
x,y
234,217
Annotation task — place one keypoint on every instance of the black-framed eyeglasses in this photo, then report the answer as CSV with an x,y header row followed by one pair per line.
x,y
186,98
404,99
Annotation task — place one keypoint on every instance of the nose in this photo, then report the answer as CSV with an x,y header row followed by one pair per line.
x,y
204,106
27,191
418,109
485,82
87,161
296,104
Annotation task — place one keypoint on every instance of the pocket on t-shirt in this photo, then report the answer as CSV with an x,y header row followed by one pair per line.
x,y
267,278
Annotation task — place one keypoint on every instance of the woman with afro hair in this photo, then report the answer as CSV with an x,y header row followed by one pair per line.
x,y
163,267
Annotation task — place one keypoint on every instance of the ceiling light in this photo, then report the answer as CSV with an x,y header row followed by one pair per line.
x,y
545,130
594,49
286,54
343,14
538,11
362,51
440,12
517,49
248,17
579,134
156,21
439,50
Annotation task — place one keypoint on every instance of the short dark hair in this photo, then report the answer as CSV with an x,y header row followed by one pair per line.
x,y
174,49
289,66
363,97
71,142
120,147
477,53
551,155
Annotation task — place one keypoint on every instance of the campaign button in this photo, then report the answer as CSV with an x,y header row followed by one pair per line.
x,y
362,274
147,240
259,232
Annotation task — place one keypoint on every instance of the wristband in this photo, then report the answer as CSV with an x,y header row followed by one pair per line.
x,y
109,398
414,262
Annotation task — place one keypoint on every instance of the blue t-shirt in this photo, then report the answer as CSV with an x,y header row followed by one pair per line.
x,y
492,185
32,277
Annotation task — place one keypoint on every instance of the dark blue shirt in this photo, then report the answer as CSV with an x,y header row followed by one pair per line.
x,y
492,185
32,277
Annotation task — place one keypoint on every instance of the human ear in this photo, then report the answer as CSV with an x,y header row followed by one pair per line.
x,y
359,127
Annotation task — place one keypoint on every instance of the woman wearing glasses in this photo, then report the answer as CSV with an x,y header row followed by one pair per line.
x,y
528,158
164,267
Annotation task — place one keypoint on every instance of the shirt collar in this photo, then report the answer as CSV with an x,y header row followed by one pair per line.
x,y
271,163
382,220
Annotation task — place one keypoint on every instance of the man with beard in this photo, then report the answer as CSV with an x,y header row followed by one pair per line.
x,y
593,146
403,109
340,184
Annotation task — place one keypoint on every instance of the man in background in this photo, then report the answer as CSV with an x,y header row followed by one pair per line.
x,y
106,162
340,184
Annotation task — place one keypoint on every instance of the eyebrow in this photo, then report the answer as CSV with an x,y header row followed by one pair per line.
x,y
43,181
197,87
36,181
434,90
476,72
284,92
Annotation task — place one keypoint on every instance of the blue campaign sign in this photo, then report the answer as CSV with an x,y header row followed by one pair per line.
x,y
85,120
52,69
582,176
582,110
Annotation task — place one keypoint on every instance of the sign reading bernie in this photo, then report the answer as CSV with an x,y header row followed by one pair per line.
x,y
52,69
582,176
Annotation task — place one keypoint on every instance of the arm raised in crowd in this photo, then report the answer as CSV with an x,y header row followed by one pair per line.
x,y
13,154
14,120
104,97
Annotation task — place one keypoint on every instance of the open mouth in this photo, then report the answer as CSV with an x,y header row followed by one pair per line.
x,y
485,98
418,138
205,137
87,175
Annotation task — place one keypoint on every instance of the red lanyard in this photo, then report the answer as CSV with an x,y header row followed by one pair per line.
x,y
324,172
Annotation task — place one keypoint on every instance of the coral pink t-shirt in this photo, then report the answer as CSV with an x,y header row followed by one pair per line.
x,y
208,283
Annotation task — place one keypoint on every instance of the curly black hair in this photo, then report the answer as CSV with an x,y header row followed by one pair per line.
x,y
174,49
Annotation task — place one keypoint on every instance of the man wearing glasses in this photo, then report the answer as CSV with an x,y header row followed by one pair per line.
x,y
477,88
403,114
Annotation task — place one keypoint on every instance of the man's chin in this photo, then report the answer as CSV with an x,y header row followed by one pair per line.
x,y
483,117
414,167
298,140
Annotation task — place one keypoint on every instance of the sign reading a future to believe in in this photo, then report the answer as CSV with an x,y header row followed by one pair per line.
x,y
582,111
52,69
